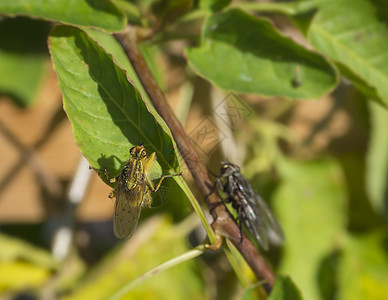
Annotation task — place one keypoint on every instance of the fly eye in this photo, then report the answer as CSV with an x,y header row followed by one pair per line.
x,y
225,168
132,150
143,153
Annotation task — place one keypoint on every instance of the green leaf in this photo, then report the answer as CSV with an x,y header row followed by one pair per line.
x,y
25,265
310,205
106,141
110,45
243,53
22,275
13,249
249,293
155,242
99,14
363,87
131,11
353,33
285,289
168,11
214,5
377,158
23,54
107,112
363,268
361,214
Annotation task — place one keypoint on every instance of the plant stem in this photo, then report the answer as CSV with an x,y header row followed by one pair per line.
x,y
197,209
285,8
162,267
223,224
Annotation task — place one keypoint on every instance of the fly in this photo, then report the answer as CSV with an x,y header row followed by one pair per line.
x,y
251,209
133,191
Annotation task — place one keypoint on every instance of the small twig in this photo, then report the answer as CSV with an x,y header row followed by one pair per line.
x,y
197,251
223,223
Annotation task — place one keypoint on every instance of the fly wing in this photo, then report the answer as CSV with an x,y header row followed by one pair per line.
x,y
252,210
264,225
268,220
254,222
127,208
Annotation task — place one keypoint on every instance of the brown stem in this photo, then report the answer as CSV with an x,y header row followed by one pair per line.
x,y
223,223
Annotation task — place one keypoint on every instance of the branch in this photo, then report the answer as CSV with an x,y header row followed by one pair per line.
x,y
223,223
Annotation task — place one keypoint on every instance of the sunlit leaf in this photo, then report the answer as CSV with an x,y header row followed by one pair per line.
x,y
107,112
361,212
377,159
21,276
363,268
353,33
243,53
22,265
14,249
155,242
310,205
285,289
23,54
249,293
110,45
100,14
214,5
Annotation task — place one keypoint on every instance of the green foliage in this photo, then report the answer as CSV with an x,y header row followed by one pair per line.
x,y
311,206
363,267
260,60
214,5
99,14
355,41
104,107
23,58
377,159
23,265
285,289
159,241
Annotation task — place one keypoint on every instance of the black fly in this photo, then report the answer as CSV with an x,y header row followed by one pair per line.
x,y
252,211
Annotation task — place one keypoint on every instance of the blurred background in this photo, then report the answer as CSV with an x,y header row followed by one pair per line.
x,y
309,159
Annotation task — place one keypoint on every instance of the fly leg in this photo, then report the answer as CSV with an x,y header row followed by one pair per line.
x,y
213,207
237,219
239,214
105,171
111,180
160,181
218,186
150,188
147,164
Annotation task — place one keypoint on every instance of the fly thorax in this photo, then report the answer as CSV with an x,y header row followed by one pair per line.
x,y
135,172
